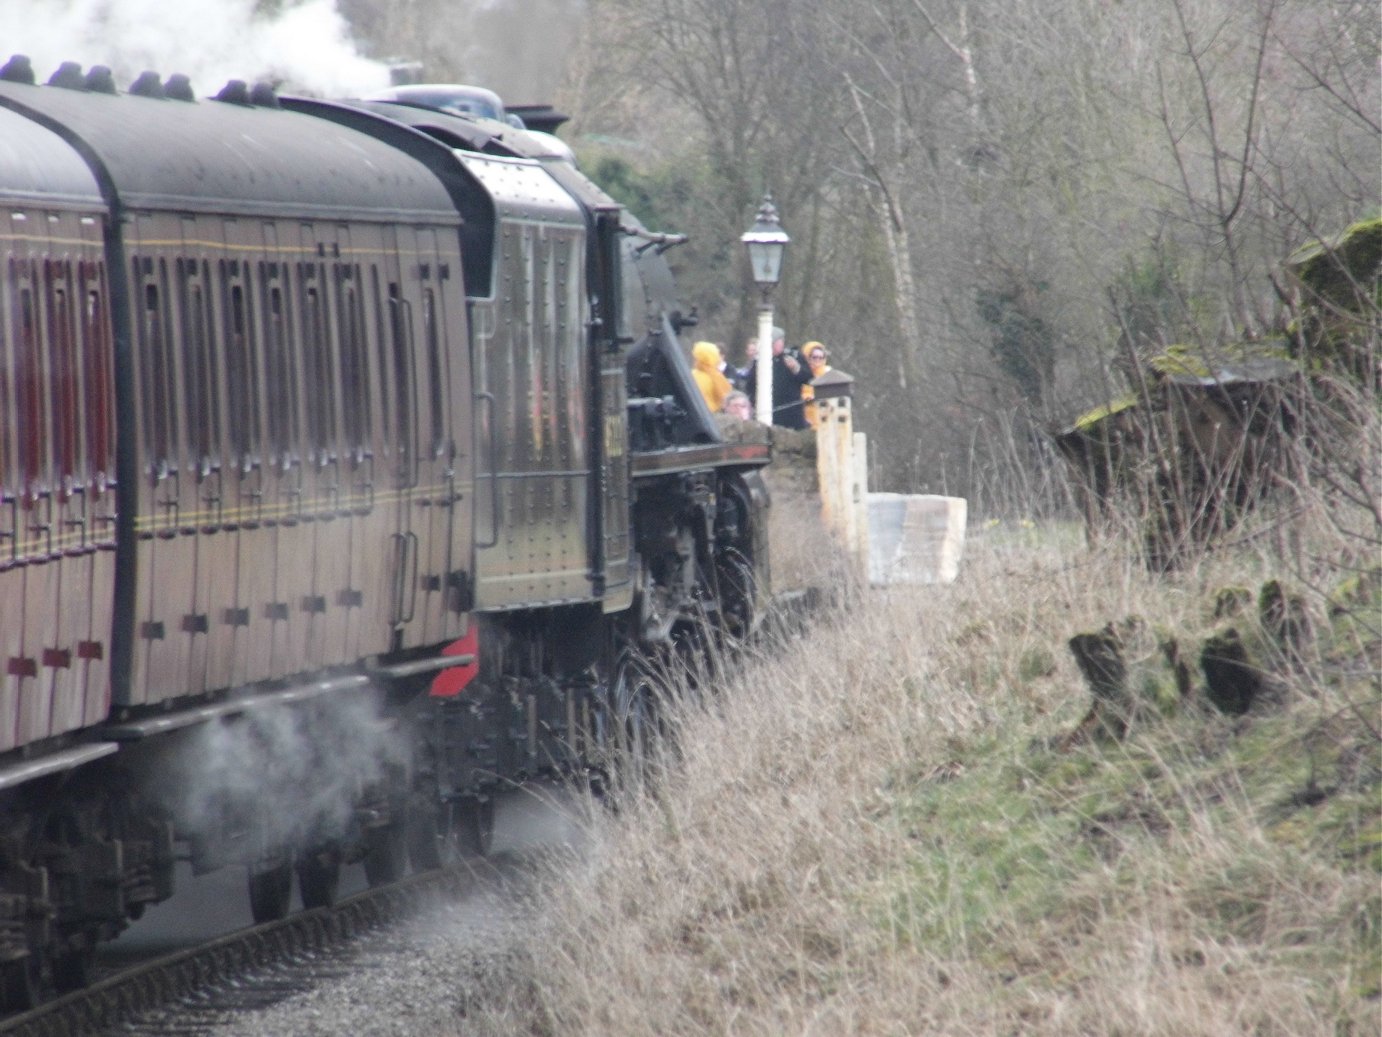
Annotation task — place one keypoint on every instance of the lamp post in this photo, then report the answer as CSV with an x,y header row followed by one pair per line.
x,y
766,242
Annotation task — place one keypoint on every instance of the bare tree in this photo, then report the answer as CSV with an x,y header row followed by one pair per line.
x,y
983,196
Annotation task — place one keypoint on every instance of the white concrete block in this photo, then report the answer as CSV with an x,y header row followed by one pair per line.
x,y
915,538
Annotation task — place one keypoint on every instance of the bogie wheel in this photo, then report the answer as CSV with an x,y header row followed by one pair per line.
x,y
19,985
472,821
386,854
319,877
73,970
271,891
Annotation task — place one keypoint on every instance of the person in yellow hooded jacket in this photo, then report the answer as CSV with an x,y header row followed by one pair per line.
x,y
819,361
707,360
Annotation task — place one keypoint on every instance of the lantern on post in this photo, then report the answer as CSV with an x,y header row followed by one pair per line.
x,y
766,242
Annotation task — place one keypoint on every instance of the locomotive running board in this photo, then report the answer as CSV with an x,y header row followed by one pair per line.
x,y
55,764
134,730
714,455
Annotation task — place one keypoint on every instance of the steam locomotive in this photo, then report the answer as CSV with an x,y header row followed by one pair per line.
x,y
350,470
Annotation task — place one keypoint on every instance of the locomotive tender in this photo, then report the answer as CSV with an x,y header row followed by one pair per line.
x,y
350,468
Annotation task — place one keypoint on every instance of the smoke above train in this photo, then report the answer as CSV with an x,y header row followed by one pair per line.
x,y
304,46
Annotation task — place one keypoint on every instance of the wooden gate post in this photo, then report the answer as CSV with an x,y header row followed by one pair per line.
x,y
841,472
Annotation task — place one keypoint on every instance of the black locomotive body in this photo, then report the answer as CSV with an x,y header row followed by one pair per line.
x,y
350,469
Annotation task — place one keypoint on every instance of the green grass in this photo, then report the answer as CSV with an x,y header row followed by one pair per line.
x,y
900,825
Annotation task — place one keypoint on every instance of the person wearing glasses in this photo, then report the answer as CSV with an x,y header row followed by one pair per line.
x,y
818,361
789,375
738,406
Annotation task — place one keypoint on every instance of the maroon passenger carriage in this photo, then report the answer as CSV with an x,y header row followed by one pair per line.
x,y
325,506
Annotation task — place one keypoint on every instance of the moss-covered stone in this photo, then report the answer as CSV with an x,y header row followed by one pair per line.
x,y
1232,680
1207,429
1334,270
1285,617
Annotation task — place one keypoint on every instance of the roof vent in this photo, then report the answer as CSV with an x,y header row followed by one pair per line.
x,y
68,76
235,92
19,69
100,81
147,85
263,95
178,87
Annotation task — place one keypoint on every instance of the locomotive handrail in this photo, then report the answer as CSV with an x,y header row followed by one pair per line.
x,y
492,450
144,727
420,666
66,760
662,242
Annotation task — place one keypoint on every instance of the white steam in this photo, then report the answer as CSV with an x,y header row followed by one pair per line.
x,y
295,773
304,48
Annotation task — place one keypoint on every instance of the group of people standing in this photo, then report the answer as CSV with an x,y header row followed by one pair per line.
x,y
733,392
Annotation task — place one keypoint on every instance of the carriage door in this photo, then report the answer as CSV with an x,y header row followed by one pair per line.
x,y
209,641
367,526
284,477
165,518
441,508
402,435
326,459
245,477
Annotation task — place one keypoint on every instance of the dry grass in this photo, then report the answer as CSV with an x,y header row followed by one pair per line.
x,y
875,832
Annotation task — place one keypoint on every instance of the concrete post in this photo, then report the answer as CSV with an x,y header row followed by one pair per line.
x,y
861,503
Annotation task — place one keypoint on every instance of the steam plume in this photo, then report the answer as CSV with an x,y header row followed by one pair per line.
x,y
305,46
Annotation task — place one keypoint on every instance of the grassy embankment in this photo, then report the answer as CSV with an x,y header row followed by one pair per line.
x,y
892,827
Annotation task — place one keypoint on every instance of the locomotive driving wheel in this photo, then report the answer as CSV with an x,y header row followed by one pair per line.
x,y
637,728
738,590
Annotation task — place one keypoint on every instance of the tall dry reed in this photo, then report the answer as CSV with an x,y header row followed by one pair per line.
x,y
878,827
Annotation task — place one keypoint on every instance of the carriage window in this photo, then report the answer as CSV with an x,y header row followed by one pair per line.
x,y
430,320
381,338
280,371
7,406
62,368
355,394
156,370
199,372
318,371
204,340
96,335
242,372
28,383
404,384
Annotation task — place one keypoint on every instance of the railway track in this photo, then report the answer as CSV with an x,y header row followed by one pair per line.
x,y
249,968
